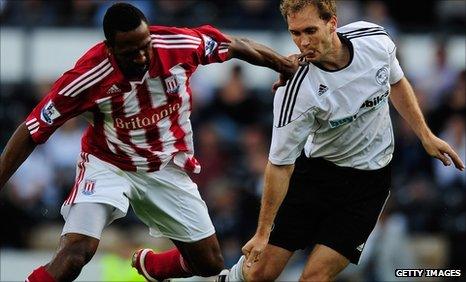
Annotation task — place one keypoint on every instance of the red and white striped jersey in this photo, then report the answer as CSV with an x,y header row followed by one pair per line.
x,y
134,125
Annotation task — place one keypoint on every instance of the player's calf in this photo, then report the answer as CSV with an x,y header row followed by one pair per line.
x,y
207,265
203,257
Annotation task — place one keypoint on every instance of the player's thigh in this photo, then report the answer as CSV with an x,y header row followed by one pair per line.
x,y
323,264
270,265
98,182
202,256
169,202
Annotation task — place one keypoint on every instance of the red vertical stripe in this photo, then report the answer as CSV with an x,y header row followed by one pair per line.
x,y
176,129
152,133
97,134
124,136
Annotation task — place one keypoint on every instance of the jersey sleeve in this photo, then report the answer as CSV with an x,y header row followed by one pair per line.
x,y
294,121
214,45
396,73
58,106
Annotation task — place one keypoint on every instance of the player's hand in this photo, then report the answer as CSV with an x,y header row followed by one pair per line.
x,y
440,149
278,83
293,63
253,249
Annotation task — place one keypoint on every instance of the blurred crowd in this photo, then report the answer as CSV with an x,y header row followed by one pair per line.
x,y
448,15
232,136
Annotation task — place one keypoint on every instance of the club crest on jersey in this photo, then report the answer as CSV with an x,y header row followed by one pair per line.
x,y
171,85
89,185
382,76
49,113
209,45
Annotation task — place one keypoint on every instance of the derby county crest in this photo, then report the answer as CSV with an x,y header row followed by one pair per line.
x,y
382,76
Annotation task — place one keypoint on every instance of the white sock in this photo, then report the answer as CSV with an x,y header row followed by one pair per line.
x,y
236,272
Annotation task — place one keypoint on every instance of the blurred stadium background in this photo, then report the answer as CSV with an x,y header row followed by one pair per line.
x,y
424,223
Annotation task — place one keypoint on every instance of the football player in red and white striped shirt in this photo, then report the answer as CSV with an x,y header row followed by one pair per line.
x,y
134,90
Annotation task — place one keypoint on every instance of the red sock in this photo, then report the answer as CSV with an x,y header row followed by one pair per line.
x,y
167,265
40,275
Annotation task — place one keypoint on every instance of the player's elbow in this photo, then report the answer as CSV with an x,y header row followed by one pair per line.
x,y
283,168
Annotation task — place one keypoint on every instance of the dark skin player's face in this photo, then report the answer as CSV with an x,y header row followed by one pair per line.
x,y
132,51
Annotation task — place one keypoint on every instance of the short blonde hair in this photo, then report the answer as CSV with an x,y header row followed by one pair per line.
x,y
326,8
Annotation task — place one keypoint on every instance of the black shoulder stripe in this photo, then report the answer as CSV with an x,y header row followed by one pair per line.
x,y
286,99
296,93
288,83
290,92
364,33
363,30
369,34
289,96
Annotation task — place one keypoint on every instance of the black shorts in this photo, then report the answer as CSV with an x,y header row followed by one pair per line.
x,y
330,205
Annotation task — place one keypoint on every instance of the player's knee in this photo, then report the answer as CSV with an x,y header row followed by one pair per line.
x,y
76,255
210,267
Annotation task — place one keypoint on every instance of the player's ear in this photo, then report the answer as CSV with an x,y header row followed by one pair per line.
x,y
109,47
333,22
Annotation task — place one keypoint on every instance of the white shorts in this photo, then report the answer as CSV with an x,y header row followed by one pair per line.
x,y
88,219
167,201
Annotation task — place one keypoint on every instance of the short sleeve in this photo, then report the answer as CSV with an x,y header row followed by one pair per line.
x,y
396,73
214,45
58,106
294,121
288,141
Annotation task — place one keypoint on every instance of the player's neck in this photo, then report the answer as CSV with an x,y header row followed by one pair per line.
x,y
338,57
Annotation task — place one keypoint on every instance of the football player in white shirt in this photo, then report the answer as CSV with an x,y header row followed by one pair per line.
x,y
328,175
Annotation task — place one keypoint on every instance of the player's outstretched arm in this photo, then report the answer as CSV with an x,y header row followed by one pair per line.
x,y
260,55
276,181
405,102
18,148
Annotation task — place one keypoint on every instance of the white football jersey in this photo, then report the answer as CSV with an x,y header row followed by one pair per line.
x,y
341,115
